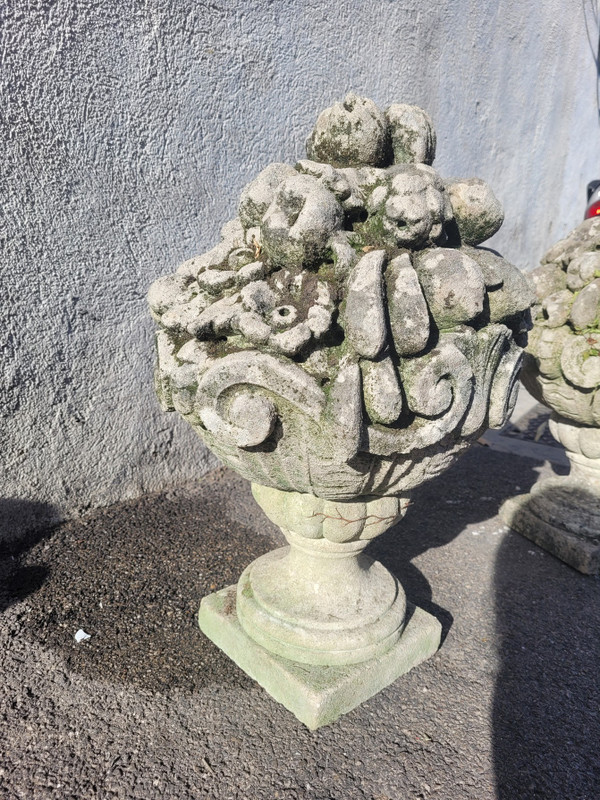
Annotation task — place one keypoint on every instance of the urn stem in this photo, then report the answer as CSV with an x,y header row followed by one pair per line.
x,y
319,601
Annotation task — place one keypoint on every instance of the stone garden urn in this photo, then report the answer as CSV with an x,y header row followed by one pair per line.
x,y
343,343
562,370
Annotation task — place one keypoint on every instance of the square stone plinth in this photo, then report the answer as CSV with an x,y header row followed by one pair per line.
x,y
316,695
578,552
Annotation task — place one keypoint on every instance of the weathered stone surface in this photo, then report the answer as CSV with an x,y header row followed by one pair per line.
x,y
253,328
578,365
409,205
407,309
258,297
547,279
340,346
258,195
582,270
344,255
322,284
438,383
406,208
297,225
580,440
240,257
180,316
319,320
477,210
586,307
214,280
351,133
562,369
583,239
250,272
168,291
562,513
491,266
548,344
381,389
332,179
505,384
557,307
580,553
453,285
254,416
195,352
283,317
217,319
364,316
317,696
346,411
292,341
412,134
315,518
326,627
563,366
510,291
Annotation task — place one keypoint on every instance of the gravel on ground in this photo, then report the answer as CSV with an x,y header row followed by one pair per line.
x,y
147,707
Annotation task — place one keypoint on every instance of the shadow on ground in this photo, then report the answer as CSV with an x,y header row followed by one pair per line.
x,y
440,510
19,532
546,708
132,576
546,714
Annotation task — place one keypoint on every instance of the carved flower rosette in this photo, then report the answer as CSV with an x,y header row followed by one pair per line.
x,y
347,337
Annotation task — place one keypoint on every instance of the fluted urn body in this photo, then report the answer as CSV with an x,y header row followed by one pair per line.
x,y
344,342
562,370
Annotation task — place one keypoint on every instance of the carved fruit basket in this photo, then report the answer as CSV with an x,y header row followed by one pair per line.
x,y
343,343
562,370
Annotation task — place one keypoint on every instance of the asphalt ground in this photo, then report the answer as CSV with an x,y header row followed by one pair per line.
x,y
149,708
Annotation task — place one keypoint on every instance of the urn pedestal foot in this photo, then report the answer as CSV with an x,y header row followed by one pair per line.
x,y
316,694
319,624
562,518
562,514
321,602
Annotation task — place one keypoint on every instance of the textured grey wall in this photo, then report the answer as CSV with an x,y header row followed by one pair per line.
x,y
129,130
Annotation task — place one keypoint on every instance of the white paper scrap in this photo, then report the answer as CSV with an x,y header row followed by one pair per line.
x,y
82,636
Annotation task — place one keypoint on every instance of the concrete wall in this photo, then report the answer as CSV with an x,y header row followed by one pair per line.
x,y
129,130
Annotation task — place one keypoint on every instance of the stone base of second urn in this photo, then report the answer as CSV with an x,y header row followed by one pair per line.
x,y
561,515
317,695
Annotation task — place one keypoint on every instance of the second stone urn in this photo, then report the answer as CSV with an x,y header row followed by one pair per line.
x,y
343,343
562,370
